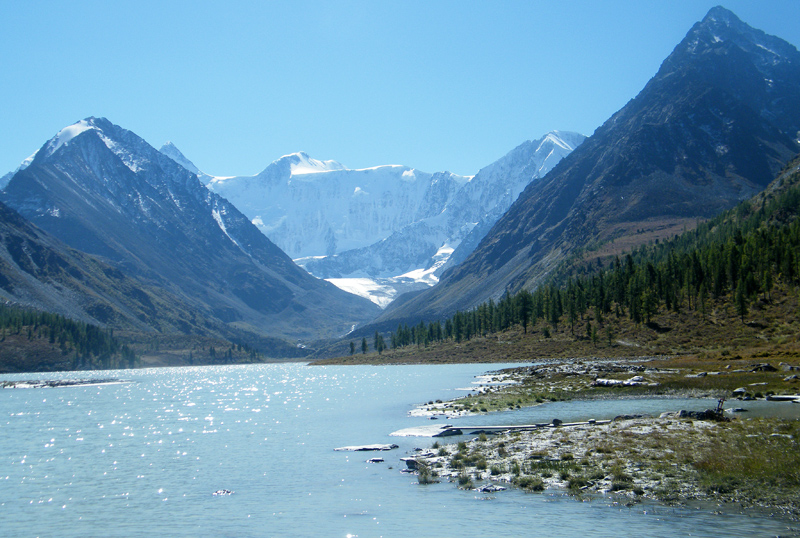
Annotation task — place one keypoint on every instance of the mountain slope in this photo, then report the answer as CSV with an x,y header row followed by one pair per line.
x,y
105,191
37,270
713,127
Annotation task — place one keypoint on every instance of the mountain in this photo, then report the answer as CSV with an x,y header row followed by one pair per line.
x,y
23,165
320,208
103,190
39,271
711,128
381,231
495,187
170,150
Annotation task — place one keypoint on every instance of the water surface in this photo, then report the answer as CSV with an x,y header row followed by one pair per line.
x,y
144,458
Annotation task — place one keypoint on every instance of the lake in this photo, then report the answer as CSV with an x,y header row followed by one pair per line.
x,y
144,457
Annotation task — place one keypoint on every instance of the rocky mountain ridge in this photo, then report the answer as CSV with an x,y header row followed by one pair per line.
x,y
712,128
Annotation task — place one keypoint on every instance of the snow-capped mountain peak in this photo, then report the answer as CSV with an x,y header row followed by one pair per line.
x,y
567,140
315,207
116,139
22,166
300,163
65,135
170,150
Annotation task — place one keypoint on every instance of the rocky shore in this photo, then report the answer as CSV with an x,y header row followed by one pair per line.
x,y
674,458
597,378
55,383
666,458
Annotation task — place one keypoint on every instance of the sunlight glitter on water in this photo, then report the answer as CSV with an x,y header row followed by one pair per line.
x,y
266,433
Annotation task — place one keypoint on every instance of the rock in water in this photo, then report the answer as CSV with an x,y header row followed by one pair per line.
x,y
361,448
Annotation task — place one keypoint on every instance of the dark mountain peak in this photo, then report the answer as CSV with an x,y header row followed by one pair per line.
x,y
721,15
711,128
721,29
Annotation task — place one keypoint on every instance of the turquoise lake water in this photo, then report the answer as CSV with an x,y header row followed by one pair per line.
x,y
143,458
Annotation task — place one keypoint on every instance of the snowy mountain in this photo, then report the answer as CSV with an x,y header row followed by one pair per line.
x,y
175,154
413,257
319,208
170,150
385,230
23,165
103,190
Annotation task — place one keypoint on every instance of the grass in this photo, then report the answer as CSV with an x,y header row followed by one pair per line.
x,y
757,453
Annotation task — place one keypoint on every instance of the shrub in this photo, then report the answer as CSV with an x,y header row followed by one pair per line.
x,y
576,482
426,476
529,483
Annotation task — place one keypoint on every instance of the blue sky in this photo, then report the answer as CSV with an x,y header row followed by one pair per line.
x,y
436,85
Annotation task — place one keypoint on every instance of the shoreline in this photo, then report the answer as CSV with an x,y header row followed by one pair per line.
x,y
642,458
672,459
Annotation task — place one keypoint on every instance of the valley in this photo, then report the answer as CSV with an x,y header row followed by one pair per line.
x,y
634,294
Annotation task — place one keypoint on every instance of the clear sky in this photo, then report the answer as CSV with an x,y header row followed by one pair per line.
x,y
437,85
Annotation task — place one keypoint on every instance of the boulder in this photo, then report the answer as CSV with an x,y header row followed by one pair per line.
x,y
411,463
635,381
490,488
448,432
708,414
782,397
627,417
362,448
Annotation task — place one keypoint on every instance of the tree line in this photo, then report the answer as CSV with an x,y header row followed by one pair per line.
x,y
92,346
